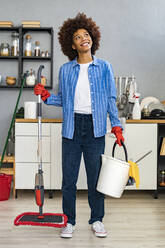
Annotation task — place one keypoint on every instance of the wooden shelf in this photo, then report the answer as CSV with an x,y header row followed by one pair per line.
x,y
27,29
35,58
9,28
9,57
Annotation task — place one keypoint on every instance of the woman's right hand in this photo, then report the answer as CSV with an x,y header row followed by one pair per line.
x,y
40,90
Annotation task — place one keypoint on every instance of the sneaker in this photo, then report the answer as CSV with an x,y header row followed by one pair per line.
x,y
98,229
66,232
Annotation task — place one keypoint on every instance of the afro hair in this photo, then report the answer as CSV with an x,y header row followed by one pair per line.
x,y
70,26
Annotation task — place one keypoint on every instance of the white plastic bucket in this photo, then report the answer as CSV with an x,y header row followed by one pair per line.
x,y
113,177
30,110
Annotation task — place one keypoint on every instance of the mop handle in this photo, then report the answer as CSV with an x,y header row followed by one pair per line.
x,y
143,156
39,132
39,115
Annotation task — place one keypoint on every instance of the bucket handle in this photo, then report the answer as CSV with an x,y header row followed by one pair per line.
x,y
131,180
125,150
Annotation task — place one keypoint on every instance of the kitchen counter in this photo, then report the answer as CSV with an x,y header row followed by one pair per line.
x,y
146,121
60,121
36,120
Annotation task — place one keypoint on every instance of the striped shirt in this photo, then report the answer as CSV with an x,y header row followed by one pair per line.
x,y
103,96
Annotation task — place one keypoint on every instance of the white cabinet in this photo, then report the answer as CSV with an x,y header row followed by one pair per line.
x,y
31,129
139,139
26,145
56,156
25,175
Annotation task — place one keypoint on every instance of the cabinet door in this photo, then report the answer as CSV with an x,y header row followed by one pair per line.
x,y
56,156
56,160
26,149
31,129
139,139
25,175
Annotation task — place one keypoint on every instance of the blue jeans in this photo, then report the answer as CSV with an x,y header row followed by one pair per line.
x,y
83,142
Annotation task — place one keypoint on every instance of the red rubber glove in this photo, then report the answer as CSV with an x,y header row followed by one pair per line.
x,y
40,90
118,133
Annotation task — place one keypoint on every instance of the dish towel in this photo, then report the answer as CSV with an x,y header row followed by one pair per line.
x,y
134,172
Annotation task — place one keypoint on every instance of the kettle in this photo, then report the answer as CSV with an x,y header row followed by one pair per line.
x,y
157,113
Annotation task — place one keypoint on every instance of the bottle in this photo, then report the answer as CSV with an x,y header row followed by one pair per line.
x,y
28,46
15,44
132,90
162,178
136,112
37,49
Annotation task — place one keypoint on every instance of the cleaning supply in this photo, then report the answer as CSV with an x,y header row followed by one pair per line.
x,y
134,172
40,218
136,112
134,176
132,90
114,174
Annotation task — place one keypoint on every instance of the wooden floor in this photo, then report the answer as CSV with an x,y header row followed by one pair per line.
x,y
134,221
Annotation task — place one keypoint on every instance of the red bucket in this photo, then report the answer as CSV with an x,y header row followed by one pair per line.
x,y
5,186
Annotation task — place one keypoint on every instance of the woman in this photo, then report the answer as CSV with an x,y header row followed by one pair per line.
x,y
86,93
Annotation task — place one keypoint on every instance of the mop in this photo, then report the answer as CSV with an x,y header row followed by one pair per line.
x,y
134,177
134,171
40,218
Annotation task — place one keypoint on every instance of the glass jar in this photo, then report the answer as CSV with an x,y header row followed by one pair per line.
x,y
37,49
28,46
15,44
145,112
162,178
30,79
46,54
42,54
5,49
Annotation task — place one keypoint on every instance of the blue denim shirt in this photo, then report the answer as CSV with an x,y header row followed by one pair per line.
x,y
103,96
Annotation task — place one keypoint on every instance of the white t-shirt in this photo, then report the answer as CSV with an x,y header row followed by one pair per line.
x,y
82,100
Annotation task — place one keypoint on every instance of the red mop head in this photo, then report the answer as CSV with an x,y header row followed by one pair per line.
x,y
46,219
